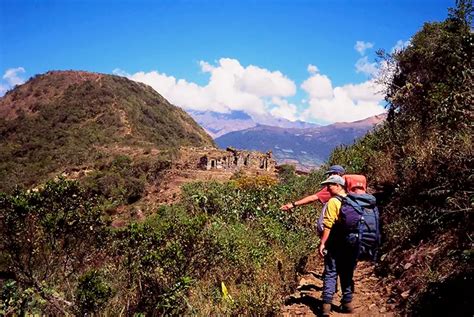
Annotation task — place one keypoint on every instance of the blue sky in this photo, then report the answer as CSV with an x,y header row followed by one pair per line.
x,y
300,60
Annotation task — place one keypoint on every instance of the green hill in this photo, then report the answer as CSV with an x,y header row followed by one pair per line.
x,y
66,119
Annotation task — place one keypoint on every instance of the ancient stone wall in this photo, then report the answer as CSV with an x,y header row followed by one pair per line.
x,y
233,160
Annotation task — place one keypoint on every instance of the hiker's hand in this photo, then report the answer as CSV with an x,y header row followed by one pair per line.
x,y
287,207
322,248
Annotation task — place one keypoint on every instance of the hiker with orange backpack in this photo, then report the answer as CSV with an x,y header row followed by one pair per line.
x,y
322,196
355,182
349,231
338,261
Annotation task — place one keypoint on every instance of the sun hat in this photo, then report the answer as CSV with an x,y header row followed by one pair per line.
x,y
335,169
334,179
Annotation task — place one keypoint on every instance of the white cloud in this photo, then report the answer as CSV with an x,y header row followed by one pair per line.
x,y
364,66
318,86
284,109
12,76
263,94
361,46
400,45
180,92
231,87
366,91
263,83
312,69
346,103
376,69
206,67
120,72
341,108
3,89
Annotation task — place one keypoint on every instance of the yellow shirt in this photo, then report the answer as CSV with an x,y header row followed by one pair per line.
x,y
332,212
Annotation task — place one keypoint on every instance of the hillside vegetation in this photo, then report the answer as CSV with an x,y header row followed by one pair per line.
x,y
422,161
67,120
226,248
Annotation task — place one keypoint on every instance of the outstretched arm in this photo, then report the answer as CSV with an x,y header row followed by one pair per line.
x,y
304,201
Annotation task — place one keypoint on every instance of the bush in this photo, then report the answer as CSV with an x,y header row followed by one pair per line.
x,y
92,292
287,173
50,235
160,255
120,179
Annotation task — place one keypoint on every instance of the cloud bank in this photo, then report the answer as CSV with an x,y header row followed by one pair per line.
x,y
345,103
262,92
231,87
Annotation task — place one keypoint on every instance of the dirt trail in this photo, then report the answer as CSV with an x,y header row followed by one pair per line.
x,y
370,297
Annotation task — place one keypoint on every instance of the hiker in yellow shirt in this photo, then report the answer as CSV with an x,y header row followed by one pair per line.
x,y
338,259
333,207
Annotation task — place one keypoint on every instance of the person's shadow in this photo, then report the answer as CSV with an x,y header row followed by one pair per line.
x,y
306,299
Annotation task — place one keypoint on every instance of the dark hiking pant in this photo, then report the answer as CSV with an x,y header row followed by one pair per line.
x,y
339,262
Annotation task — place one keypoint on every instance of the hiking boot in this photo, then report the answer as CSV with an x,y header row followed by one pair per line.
x,y
326,310
347,308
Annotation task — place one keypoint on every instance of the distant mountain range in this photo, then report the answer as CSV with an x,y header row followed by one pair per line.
x,y
218,124
305,147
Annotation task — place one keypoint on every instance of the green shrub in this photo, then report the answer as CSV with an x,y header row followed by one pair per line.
x,y
161,255
16,299
287,173
119,179
92,292
50,235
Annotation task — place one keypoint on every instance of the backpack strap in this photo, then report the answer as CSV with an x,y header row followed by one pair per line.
x,y
364,200
354,204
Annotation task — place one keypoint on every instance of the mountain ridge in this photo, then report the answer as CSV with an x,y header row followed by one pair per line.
x,y
307,148
219,124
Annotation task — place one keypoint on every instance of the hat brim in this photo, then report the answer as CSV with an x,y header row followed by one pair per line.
x,y
334,172
326,183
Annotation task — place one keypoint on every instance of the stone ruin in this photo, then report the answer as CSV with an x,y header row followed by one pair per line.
x,y
232,159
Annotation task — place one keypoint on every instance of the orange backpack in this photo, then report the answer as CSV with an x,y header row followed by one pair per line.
x,y
355,184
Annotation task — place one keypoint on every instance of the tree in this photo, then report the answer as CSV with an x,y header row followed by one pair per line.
x,y
430,101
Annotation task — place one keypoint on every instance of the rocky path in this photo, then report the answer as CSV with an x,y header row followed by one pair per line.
x,y
370,297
